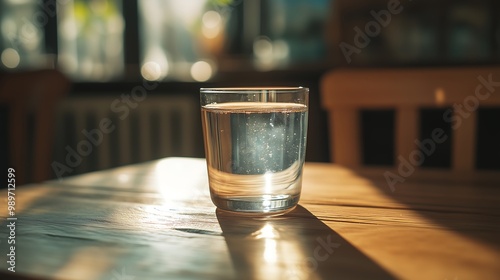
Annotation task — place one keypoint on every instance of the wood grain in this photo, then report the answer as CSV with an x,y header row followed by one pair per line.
x,y
155,221
409,87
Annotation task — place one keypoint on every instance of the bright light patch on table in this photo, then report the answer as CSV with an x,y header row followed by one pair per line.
x,y
123,178
10,58
270,254
266,231
201,71
269,234
178,184
78,262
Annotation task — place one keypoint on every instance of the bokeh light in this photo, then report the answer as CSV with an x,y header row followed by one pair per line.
x,y
10,58
212,24
201,71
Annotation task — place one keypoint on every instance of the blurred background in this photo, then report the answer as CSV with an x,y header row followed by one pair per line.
x,y
138,65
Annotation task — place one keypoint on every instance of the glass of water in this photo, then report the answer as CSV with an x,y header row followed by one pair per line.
x,y
255,145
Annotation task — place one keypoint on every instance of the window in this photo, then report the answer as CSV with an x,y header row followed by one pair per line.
x,y
191,40
178,39
90,39
22,39
161,40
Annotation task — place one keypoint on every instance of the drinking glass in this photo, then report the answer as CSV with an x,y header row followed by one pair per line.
x,y
255,145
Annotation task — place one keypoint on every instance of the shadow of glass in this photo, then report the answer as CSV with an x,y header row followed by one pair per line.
x,y
296,245
470,210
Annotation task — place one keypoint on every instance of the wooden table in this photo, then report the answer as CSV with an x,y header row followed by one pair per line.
x,y
156,221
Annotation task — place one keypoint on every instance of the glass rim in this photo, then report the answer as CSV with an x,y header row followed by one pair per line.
x,y
277,89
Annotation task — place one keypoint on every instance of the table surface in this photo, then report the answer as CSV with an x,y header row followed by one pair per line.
x,y
155,221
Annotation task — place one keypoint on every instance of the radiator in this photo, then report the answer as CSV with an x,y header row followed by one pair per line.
x,y
157,127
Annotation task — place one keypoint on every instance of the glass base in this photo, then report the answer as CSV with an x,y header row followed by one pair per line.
x,y
257,206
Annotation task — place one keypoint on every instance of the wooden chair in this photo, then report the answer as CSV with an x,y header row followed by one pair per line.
x,y
33,93
345,92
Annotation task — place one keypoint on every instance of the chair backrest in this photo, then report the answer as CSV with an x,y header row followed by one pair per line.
x,y
35,94
345,92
